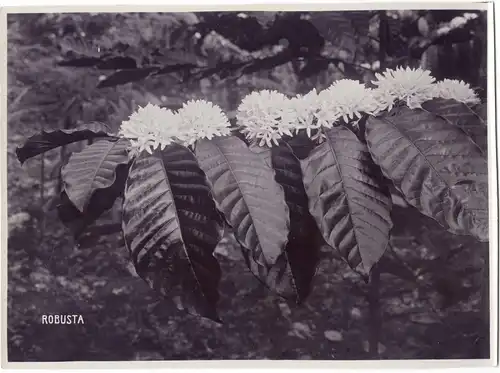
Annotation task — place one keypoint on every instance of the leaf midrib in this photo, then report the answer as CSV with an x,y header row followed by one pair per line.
x,y
403,132
242,194
92,183
337,165
184,247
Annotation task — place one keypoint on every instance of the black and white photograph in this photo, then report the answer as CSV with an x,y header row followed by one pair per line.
x,y
275,185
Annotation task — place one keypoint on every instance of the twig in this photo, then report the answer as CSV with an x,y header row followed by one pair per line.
x,y
41,226
375,318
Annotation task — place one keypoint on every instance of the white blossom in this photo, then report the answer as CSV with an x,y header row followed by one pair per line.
x,y
458,22
344,99
201,119
456,90
153,127
414,86
265,116
150,127
306,108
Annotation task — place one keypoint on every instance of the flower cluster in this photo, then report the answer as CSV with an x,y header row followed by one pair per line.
x,y
344,99
456,90
413,86
306,109
455,23
264,117
153,127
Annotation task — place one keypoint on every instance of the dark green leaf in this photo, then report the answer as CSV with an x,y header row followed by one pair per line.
x,y
333,26
392,265
171,227
168,69
482,111
251,200
48,140
100,201
115,63
80,62
302,248
301,144
93,168
435,166
347,198
126,76
459,114
267,63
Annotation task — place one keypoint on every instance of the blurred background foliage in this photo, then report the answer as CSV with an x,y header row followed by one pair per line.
x,y
66,70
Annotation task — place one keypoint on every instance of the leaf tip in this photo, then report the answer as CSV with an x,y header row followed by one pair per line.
x,y
19,154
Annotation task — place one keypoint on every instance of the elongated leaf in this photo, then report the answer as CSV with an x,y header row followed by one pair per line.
x,y
171,227
303,246
295,268
115,63
100,201
435,166
251,200
48,140
93,168
460,115
482,111
126,76
301,144
168,69
80,62
347,199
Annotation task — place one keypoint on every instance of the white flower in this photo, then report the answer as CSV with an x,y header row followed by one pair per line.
x,y
344,99
458,22
265,116
305,108
469,16
149,127
456,90
443,30
152,126
201,119
414,86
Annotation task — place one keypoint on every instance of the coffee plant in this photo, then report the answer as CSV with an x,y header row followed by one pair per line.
x,y
290,176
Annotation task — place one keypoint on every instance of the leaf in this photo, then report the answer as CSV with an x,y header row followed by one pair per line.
x,y
100,201
482,111
167,69
388,264
48,140
115,63
302,248
252,202
93,168
301,144
435,166
333,26
347,199
333,335
81,62
313,66
126,76
266,63
301,330
171,227
296,266
460,115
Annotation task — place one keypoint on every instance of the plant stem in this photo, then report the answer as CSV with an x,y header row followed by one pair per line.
x,y
41,227
383,37
375,318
